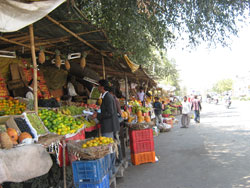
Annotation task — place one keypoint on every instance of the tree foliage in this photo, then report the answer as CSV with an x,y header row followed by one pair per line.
x,y
135,26
223,85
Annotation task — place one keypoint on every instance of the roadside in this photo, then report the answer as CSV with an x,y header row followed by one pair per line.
x,y
212,154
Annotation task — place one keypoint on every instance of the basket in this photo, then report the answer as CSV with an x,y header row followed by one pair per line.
x,y
140,158
91,153
140,126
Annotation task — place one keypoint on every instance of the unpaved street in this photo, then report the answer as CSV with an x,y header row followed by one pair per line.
x,y
212,154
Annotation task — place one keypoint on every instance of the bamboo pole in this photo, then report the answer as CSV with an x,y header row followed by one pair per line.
x,y
103,68
33,52
64,164
73,34
126,89
25,45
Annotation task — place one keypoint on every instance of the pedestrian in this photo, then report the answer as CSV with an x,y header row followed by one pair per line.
x,y
196,107
108,116
158,111
186,108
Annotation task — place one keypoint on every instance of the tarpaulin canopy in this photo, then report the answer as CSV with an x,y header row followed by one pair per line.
x,y
132,66
16,15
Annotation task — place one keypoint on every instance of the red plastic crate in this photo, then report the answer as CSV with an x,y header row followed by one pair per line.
x,y
143,146
140,158
141,135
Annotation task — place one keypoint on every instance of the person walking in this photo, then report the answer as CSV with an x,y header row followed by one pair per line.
x,y
158,111
196,107
186,108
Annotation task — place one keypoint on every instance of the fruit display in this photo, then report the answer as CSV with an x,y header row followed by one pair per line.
x,y
36,123
11,107
3,89
95,94
59,123
72,110
90,123
23,136
23,126
167,111
98,141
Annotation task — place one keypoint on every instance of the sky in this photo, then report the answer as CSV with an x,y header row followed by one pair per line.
x,y
201,68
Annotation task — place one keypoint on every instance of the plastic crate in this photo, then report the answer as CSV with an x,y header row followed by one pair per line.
x,y
103,184
140,158
141,135
143,146
111,165
91,171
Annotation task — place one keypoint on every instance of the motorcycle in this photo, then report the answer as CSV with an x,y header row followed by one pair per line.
x,y
228,103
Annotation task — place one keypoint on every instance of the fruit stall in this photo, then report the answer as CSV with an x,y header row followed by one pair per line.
x,y
60,136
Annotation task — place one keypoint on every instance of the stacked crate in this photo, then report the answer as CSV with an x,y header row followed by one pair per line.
x,y
3,89
91,173
28,73
142,146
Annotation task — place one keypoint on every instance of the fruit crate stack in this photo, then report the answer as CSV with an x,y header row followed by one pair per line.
x,y
3,89
91,173
142,146
42,83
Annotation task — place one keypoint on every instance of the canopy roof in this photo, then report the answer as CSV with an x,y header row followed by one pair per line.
x,y
66,30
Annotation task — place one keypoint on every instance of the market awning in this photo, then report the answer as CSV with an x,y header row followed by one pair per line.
x,y
16,15
134,67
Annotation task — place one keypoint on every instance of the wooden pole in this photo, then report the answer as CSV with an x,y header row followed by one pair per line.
x,y
33,52
73,34
25,45
126,89
146,89
103,68
64,164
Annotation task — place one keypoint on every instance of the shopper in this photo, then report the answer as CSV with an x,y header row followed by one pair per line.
x,y
158,111
186,108
108,115
196,107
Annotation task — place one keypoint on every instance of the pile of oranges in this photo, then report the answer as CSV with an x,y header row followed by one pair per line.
x,y
98,141
11,107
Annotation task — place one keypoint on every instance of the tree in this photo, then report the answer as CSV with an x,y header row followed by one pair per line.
x,y
223,85
135,26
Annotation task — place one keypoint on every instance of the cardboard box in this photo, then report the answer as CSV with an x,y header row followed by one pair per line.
x,y
15,84
14,70
10,122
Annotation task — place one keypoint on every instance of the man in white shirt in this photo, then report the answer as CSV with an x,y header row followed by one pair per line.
x,y
141,95
186,108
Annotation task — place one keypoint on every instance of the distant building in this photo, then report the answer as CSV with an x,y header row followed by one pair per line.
x,y
241,85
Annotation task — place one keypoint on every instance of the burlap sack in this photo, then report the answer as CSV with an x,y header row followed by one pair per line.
x,y
23,163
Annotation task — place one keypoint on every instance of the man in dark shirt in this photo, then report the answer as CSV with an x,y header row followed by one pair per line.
x,y
158,111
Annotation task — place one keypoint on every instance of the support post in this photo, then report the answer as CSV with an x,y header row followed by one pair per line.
x,y
33,52
103,68
64,164
126,89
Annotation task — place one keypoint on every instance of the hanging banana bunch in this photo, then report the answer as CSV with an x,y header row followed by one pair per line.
x,y
83,60
41,56
58,59
67,64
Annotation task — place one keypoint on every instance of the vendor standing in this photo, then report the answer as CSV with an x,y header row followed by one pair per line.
x,y
141,95
108,116
29,90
